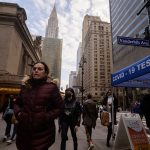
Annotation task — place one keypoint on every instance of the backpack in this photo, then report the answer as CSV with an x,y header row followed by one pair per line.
x,y
104,118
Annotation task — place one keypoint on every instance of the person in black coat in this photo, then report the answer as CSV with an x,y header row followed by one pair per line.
x,y
107,104
70,118
145,107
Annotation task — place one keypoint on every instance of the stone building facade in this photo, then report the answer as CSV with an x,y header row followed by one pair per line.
x,y
18,51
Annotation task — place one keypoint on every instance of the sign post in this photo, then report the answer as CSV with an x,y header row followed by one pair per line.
x,y
131,134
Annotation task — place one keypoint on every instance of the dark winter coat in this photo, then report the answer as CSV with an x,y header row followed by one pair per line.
x,y
90,113
74,109
145,107
35,109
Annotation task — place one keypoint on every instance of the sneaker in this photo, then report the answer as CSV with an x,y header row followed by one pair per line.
x,y
9,141
91,145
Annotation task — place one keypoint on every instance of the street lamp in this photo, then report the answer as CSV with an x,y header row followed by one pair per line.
x,y
81,65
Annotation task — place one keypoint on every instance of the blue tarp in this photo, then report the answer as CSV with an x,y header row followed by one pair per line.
x,y
135,75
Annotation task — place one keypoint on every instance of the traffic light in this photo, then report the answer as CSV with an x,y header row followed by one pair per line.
x,y
146,33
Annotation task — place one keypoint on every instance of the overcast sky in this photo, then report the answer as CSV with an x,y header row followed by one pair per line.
x,y
70,16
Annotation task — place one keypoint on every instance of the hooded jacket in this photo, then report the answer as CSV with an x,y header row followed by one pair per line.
x,y
36,107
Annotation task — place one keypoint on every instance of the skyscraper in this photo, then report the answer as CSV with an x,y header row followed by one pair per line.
x,y
52,28
125,22
97,50
52,47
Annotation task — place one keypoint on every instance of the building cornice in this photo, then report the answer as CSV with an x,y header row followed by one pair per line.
x,y
16,16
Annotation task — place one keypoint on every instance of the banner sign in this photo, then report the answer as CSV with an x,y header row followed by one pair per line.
x,y
133,71
133,41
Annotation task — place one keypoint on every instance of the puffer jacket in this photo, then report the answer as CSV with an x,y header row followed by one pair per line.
x,y
35,109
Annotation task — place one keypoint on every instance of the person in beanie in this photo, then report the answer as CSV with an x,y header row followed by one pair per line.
x,y
38,104
70,118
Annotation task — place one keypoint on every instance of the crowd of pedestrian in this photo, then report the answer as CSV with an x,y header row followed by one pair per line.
x,y
31,114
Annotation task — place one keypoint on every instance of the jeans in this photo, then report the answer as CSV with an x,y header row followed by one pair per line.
x,y
64,130
88,131
109,133
14,131
8,125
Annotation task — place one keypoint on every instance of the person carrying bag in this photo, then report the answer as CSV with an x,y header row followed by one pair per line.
x,y
7,116
8,111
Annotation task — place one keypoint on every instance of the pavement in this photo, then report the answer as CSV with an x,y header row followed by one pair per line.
x,y
99,138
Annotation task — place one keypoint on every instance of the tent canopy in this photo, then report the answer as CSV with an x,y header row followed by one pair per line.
x,y
135,75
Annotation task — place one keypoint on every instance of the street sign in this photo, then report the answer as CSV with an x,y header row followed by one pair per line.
x,y
133,41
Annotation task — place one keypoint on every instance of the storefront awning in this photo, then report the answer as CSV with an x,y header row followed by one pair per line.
x,y
134,75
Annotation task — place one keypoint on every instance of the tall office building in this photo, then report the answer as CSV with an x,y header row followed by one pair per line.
x,y
78,70
73,80
125,22
97,50
52,47
52,27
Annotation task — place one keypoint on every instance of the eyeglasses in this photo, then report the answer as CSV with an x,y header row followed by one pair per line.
x,y
37,68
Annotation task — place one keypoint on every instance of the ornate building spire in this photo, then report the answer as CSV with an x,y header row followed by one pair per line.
x,y
52,27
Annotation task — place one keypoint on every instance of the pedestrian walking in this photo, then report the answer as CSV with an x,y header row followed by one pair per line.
x,y
36,107
70,118
90,115
107,104
145,107
136,108
7,116
14,124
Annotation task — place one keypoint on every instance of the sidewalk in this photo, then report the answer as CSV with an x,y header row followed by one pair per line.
x,y
99,138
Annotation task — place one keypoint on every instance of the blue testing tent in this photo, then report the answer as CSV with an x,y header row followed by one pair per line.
x,y
135,75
